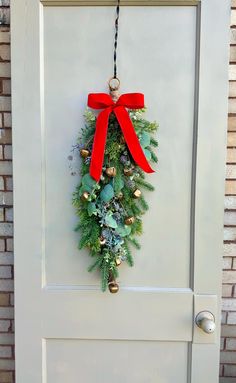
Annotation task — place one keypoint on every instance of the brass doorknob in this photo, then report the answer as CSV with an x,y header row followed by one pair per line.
x,y
205,320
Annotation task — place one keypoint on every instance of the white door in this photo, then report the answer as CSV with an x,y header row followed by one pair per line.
x,y
67,330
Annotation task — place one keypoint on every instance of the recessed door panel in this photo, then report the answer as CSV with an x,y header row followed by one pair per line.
x,y
157,58
102,361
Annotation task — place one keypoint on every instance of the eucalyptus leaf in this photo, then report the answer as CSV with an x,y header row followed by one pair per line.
x,y
145,139
123,230
87,180
107,193
92,209
110,221
84,188
148,154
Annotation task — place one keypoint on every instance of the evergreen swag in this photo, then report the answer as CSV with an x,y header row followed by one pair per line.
x,y
110,210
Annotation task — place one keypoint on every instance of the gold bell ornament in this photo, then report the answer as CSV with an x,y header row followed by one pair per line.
x,y
111,172
113,287
137,193
118,261
128,172
84,153
129,220
85,196
102,240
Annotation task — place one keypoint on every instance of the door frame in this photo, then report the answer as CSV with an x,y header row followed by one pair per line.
x,y
211,105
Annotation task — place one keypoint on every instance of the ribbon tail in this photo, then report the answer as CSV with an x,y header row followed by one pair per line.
x,y
132,139
99,143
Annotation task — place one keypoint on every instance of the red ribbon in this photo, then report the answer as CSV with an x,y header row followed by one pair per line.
x,y
104,101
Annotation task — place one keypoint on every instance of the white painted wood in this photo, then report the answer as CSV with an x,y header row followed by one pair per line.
x,y
71,359
65,327
210,171
65,3
165,315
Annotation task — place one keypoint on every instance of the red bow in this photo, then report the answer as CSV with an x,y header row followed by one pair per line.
x,y
104,101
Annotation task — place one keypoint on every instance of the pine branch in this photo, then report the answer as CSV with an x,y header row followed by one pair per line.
x,y
83,242
154,157
104,275
114,272
137,227
134,242
141,173
146,185
136,210
154,142
129,257
95,264
78,227
143,203
151,126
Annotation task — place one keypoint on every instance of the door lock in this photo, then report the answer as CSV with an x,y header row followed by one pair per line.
x,y
205,320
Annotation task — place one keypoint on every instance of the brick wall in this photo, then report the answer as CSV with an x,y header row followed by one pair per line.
x,y
228,341
6,218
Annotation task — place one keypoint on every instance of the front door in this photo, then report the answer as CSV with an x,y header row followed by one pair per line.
x,y
67,330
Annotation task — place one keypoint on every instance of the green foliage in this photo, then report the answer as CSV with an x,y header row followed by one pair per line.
x,y
146,185
104,274
134,242
92,209
153,156
118,182
88,181
143,203
145,139
129,257
107,193
101,225
123,230
110,221
153,142
147,154
137,227
96,264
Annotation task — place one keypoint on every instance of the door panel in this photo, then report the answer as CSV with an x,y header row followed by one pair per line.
x,y
156,315
159,69
66,329
72,359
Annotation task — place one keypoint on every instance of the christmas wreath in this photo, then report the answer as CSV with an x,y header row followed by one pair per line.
x,y
109,201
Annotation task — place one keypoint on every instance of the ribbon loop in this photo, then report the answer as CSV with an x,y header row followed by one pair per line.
x,y
99,100
131,100
104,101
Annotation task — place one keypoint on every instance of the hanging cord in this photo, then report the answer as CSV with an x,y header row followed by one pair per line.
x,y
116,36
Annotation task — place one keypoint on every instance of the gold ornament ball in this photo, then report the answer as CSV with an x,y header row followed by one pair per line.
x,y
113,287
84,153
137,193
102,241
128,172
129,220
111,172
118,261
85,196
